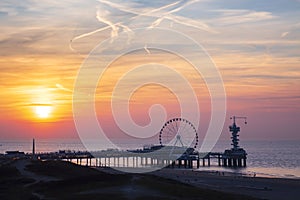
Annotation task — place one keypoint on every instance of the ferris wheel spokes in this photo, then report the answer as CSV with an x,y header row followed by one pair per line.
x,y
178,131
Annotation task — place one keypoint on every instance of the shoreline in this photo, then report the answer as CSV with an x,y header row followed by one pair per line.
x,y
38,175
234,172
249,171
257,187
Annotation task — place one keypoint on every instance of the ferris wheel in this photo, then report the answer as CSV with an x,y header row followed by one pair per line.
x,y
178,132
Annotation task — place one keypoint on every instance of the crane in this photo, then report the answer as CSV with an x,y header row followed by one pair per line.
x,y
234,117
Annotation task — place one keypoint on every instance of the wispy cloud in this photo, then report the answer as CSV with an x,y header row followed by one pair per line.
x,y
159,14
233,17
284,34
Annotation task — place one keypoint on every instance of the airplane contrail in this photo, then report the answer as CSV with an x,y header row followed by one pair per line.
x,y
114,27
146,49
59,86
157,12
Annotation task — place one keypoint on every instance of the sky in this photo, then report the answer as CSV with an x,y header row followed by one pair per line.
x,y
254,45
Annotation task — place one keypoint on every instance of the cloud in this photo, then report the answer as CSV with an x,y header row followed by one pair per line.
x,y
233,17
284,34
166,11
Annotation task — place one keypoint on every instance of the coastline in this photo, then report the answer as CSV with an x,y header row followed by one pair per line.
x,y
270,166
39,179
233,183
258,187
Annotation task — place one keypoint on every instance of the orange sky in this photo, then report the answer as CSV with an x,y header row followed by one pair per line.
x,y
255,50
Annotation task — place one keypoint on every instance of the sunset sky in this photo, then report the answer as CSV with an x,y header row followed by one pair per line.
x,y
254,44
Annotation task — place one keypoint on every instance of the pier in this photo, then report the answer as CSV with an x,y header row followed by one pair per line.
x,y
152,156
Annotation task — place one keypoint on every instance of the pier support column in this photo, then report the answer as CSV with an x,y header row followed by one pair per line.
x,y
173,163
203,162
133,161
234,162
244,164
219,160
198,163
239,162
142,161
229,162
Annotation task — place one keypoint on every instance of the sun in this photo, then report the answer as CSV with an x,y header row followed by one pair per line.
x,y
43,111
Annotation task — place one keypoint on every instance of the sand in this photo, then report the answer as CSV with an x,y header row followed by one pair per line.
x,y
264,188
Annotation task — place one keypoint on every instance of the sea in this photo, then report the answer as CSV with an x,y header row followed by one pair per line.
x,y
278,159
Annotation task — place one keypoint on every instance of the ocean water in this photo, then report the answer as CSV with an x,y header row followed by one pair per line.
x,y
265,158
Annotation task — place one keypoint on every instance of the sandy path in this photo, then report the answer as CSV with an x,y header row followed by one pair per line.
x,y
21,167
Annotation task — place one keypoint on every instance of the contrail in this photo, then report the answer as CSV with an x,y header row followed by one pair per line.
x,y
158,13
146,49
164,15
138,12
129,32
192,23
183,6
59,86
90,33
114,27
167,15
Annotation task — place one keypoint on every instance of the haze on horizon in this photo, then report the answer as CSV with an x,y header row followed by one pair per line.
x,y
254,44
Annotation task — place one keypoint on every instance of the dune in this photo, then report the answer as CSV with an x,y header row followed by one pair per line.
x,y
65,180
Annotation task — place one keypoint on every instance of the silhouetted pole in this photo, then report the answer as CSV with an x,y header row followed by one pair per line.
x,y
33,149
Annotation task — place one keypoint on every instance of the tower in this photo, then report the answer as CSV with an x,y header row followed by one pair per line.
x,y
236,156
234,129
33,148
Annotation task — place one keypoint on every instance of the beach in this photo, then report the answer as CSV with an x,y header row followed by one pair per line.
x,y
64,180
258,187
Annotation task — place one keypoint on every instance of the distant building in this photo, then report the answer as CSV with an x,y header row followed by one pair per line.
x,y
14,154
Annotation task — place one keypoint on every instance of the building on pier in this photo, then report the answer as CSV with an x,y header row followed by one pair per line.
x,y
236,156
